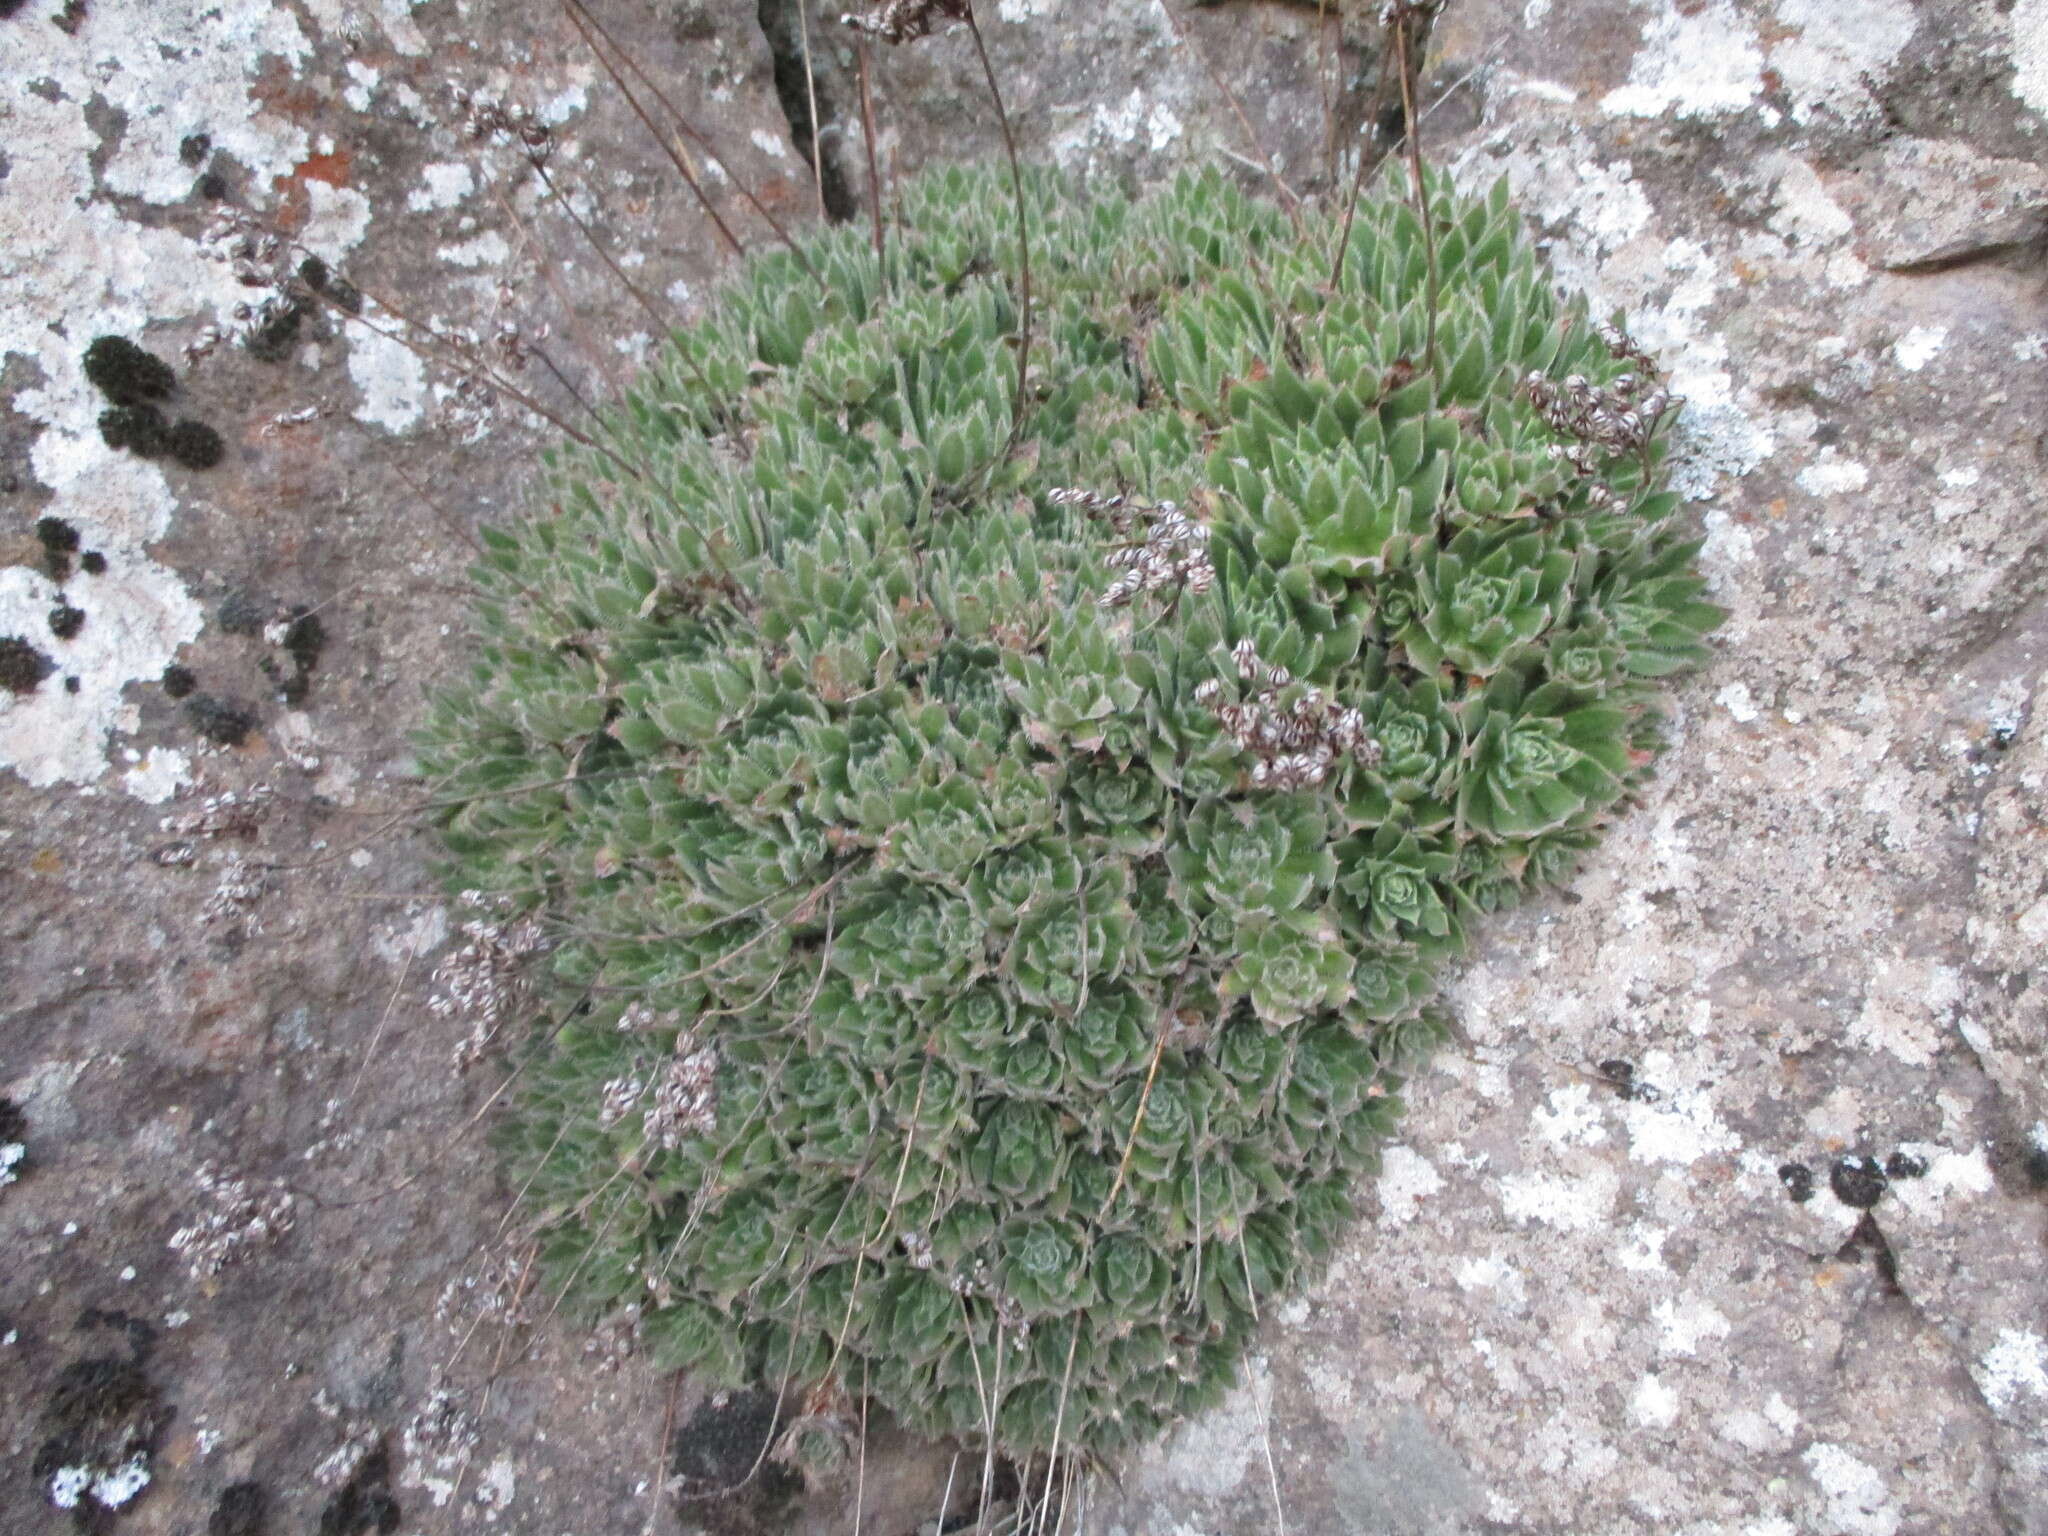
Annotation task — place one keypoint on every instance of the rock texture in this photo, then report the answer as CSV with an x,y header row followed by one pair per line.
x,y
1585,1298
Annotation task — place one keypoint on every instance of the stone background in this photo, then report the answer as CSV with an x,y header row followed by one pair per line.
x,y
1570,1307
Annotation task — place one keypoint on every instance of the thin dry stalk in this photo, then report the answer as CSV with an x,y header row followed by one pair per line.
x,y
988,73
664,321
803,26
577,18
1265,161
867,139
655,1483
1144,1098
691,132
1366,163
1409,66
1059,1419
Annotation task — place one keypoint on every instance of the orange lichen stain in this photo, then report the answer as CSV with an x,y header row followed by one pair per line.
x,y
46,862
331,168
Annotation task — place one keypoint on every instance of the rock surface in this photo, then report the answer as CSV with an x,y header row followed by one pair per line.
x,y
1583,1298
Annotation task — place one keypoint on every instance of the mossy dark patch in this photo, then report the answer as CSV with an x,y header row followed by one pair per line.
x,y
22,666
194,148
13,1133
717,1457
241,614
60,541
271,342
125,373
243,1510
1858,1182
195,445
139,429
304,638
363,1503
70,19
178,682
314,273
102,1415
66,621
54,533
220,721
93,563
213,187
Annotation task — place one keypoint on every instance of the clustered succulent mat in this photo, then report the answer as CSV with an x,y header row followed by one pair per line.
x,y
986,877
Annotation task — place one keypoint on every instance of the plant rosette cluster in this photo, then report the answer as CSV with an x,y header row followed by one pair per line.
x,y
971,979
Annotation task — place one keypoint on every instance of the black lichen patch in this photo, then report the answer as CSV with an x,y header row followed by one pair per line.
x,y
22,666
178,681
243,1510
70,18
1798,1181
66,621
314,273
213,187
363,1503
71,685
1858,1182
9,7
194,148
1621,1077
139,429
125,373
60,542
2036,1165
195,445
220,721
93,563
1904,1165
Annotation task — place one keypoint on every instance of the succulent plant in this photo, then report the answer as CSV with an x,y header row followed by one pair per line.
x,y
994,869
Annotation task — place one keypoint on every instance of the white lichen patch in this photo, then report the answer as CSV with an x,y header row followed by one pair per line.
x,y
1654,1404
2029,23
1858,1501
2013,1369
441,186
1682,1326
1210,1455
1569,1204
1699,61
1908,1008
1917,348
1832,475
1825,65
1406,1180
390,379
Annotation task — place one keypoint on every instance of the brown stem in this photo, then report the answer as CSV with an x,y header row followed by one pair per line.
x,y
690,132
1287,193
1365,161
867,137
1023,233
573,9
1422,208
